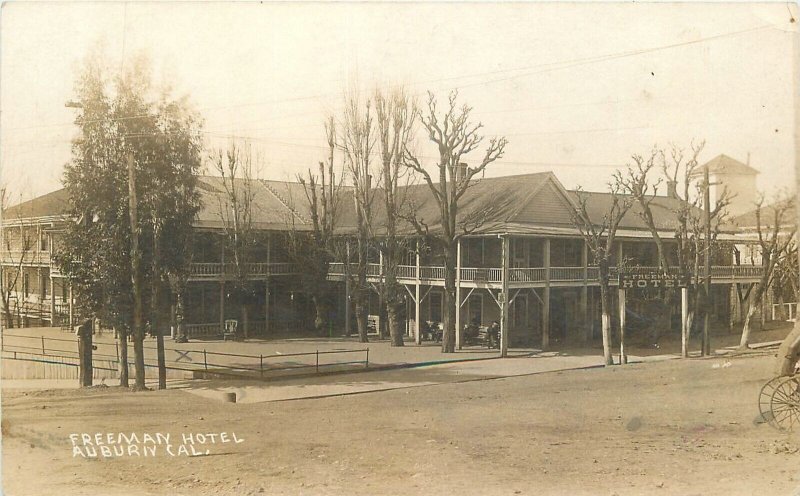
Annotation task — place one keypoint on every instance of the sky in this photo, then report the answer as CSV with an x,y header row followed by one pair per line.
x,y
577,88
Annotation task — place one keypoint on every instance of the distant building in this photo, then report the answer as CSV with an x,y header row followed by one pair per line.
x,y
739,179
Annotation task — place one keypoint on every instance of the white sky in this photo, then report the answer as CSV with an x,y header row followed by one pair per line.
x,y
576,88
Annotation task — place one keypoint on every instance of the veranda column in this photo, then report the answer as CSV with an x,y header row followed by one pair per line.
x,y
417,326
266,306
40,291
584,308
504,298
222,290
459,336
266,283
623,358
684,318
546,303
347,290
222,306
71,310
52,301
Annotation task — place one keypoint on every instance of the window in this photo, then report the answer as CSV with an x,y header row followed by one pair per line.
x,y
44,242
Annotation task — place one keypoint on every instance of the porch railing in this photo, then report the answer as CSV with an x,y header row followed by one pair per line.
x,y
210,270
566,273
537,274
31,256
431,273
527,274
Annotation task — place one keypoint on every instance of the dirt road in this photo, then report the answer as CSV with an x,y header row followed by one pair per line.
x,y
674,427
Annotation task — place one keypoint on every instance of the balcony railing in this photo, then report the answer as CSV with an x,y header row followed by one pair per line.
x,y
429,273
214,270
28,257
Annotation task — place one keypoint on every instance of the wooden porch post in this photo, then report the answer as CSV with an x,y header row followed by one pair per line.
x,y
52,301
347,289
71,309
684,318
222,291
266,306
222,307
266,283
546,303
623,358
459,333
417,326
584,308
504,297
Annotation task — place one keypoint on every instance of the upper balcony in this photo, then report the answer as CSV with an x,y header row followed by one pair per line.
x,y
531,276
26,258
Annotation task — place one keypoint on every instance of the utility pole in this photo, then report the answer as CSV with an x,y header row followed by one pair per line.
x,y
706,350
136,276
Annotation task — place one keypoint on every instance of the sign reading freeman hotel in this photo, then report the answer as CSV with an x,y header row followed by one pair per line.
x,y
643,279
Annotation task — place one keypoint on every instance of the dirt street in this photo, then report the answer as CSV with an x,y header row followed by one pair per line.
x,y
674,427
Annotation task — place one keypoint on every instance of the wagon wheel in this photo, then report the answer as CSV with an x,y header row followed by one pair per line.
x,y
785,404
765,396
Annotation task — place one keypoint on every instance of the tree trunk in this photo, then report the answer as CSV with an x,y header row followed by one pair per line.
x,y
606,326
122,336
448,300
320,313
181,334
156,325
9,318
755,300
155,308
138,362
745,341
383,319
395,323
361,317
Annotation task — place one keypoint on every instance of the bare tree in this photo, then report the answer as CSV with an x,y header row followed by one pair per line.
x,y
455,137
774,242
682,171
314,251
357,142
600,235
236,213
395,116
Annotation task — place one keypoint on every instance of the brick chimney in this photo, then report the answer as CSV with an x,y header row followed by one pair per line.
x,y
672,189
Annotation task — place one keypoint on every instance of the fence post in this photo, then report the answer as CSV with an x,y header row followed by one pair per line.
x,y
317,366
205,360
43,352
367,364
261,364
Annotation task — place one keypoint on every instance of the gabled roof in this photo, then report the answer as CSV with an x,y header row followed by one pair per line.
x,y
525,203
723,164
52,204
495,203
274,203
